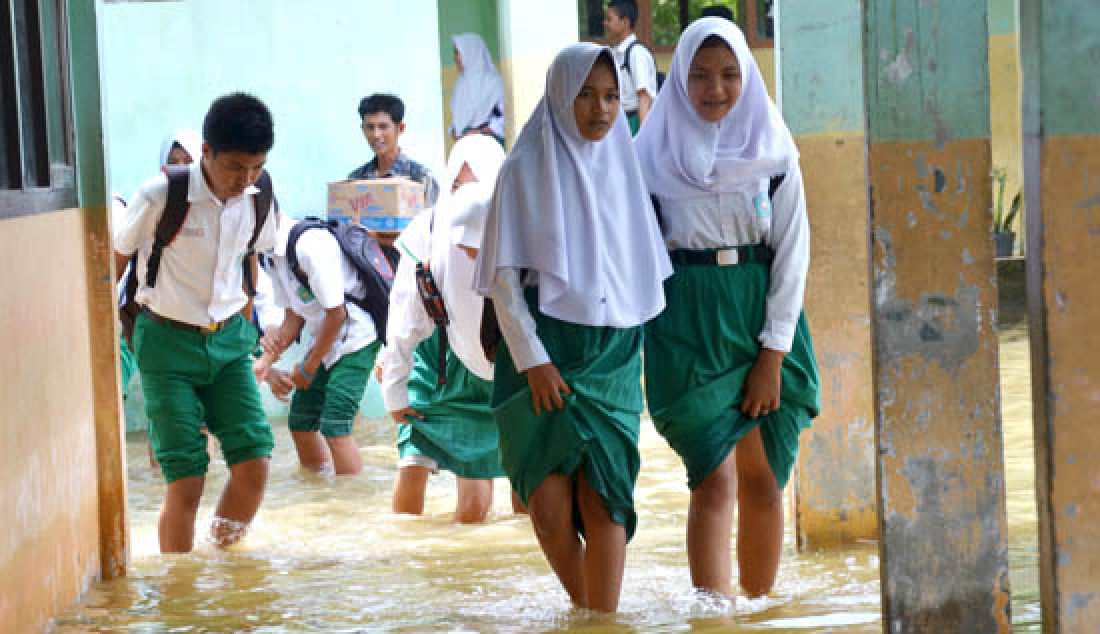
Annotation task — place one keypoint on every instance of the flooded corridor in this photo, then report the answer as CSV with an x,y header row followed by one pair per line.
x,y
328,556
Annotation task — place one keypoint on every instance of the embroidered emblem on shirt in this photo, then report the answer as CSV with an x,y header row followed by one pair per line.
x,y
305,295
763,205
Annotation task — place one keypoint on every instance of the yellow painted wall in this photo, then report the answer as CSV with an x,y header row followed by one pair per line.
x,y
1005,112
49,526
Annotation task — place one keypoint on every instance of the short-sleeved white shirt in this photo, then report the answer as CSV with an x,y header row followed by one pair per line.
x,y
331,276
200,279
642,75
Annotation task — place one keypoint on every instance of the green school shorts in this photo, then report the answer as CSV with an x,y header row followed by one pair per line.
x,y
634,121
331,401
188,378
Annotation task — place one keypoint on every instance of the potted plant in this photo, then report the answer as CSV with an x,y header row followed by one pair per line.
x,y
1004,236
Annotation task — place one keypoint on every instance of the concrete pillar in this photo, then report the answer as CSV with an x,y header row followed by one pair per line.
x,y
530,37
940,466
820,79
102,324
1060,50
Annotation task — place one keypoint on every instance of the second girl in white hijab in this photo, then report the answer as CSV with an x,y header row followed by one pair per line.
x,y
731,378
477,101
573,260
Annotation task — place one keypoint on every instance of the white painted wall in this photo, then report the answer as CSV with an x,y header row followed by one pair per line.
x,y
311,61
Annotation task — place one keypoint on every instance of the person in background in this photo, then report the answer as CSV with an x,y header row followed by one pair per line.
x,y
637,70
383,122
182,147
477,101
717,11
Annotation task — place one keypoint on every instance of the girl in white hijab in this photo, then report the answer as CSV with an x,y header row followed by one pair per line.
x,y
446,426
737,379
477,101
182,147
573,261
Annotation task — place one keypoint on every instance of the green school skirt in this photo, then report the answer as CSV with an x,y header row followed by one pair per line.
x,y
699,352
458,430
126,363
597,430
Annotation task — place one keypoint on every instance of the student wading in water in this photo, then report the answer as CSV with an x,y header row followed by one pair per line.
x,y
573,260
193,340
731,379
444,426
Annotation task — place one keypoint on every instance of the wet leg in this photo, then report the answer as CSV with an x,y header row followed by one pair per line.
x,y
551,511
604,552
760,517
240,501
346,459
709,524
313,452
176,527
475,498
409,488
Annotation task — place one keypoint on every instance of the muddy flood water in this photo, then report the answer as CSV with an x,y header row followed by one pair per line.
x,y
328,556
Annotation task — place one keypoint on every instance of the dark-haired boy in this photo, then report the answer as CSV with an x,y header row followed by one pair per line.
x,y
191,342
638,76
383,122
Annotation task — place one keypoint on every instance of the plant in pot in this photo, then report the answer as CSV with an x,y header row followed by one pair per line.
x,y
1004,236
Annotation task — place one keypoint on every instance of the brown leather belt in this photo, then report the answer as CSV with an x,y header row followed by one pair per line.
x,y
209,329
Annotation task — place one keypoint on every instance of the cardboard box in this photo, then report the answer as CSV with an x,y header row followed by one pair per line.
x,y
381,204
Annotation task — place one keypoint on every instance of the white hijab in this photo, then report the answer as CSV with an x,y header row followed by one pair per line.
x,y
577,212
682,155
479,88
188,140
484,156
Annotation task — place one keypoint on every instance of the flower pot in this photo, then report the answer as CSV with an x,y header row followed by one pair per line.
x,y
1003,243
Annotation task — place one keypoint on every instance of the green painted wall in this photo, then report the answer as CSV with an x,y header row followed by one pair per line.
x,y
466,16
1063,51
822,90
927,64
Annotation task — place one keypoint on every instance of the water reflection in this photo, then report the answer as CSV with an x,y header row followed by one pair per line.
x,y
326,555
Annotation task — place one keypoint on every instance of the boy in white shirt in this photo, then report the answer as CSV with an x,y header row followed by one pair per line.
x,y
329,382
193,339
637,70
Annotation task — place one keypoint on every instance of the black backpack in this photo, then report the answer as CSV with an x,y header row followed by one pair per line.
x,y
366,256
168,227
626,65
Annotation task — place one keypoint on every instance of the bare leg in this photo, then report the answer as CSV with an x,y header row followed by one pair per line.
x,y
346,458
518,507
475,498
313,452
760,517
604,552
551,511
709,524
408,489
240,500
176,528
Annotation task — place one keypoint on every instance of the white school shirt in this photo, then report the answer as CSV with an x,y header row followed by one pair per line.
x,y
642,75
409,323
200,279
330,277
713,221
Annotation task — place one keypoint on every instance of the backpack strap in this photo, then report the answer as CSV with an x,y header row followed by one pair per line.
x,y
263,202
626,59
171,219
292,248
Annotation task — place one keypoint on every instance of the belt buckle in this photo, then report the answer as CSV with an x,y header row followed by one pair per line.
x,y
212,327
726,257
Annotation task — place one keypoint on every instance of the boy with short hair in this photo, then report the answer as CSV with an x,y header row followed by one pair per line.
x,y
638,71
383,123
191,341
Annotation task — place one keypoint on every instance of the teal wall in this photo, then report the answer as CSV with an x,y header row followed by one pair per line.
x,y
467,16
927,64
1061,51
821,90
1002,17
311,62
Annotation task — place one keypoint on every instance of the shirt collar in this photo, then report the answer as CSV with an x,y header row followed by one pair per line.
x,y
621,48
198,189
395,169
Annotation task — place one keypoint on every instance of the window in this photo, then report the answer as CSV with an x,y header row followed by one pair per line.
x,y
36,150
660,22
